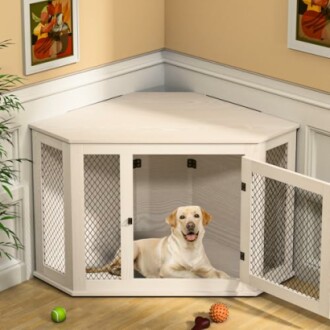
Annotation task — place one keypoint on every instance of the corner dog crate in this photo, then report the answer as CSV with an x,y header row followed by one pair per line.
x,y
110,173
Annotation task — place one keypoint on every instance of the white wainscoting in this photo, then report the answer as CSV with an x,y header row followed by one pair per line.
x,y
164,71
318,154
13,271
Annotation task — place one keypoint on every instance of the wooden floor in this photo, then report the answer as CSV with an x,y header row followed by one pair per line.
x,y
28,306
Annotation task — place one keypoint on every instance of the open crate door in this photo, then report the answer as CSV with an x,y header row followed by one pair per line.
x,y
285,232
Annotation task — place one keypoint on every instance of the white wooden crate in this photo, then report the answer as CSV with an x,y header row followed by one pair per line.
x,y
97,190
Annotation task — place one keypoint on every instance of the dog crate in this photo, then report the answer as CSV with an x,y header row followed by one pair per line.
x,y
110,173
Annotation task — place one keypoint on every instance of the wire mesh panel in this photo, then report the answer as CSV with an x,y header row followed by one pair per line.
x,y
276,230
102,216
52,201
286,235
278,156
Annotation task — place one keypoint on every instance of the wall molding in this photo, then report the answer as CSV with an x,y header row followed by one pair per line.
x,y
13,273
247,79
89,77
318,142
165,58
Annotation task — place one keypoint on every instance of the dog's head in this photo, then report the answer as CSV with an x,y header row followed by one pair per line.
x,y
188,222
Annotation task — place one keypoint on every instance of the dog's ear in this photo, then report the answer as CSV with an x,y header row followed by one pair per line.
x,y
171,219
207,217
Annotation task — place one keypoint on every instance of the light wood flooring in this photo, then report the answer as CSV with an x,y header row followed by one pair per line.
x,y
28,306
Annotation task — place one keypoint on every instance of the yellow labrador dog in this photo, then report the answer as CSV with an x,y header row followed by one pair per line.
x,y
179,255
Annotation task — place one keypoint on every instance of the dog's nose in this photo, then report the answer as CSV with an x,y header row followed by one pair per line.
x,y
190,226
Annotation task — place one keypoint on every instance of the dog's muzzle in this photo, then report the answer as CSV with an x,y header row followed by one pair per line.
x,y
191,236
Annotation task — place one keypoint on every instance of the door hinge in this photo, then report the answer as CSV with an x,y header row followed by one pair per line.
x,y
242,256
137,163
191,163
243,186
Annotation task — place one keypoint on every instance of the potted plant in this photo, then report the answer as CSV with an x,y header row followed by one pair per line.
x,y
9,104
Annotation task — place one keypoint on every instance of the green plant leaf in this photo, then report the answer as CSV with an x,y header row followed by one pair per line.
x,y
7,190
5,230
7,217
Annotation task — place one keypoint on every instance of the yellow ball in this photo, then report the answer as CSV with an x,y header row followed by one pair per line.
x,y
219,312
58,314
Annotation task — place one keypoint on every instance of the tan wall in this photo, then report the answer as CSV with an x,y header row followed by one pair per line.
x,y
110,30
251,35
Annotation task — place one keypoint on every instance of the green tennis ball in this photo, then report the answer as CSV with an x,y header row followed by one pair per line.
x,y
58,314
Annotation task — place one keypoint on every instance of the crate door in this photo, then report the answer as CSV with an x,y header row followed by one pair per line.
x,y
284,235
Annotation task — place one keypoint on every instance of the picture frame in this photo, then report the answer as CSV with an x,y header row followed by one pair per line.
x,y
309,26
50,34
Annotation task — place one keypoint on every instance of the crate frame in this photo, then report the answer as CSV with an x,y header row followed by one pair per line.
x,y
74,280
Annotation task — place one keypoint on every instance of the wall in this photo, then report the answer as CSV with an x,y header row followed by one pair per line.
x,y
251,37
110,31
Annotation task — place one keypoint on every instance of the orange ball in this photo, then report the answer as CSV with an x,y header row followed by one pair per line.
x,y
219,313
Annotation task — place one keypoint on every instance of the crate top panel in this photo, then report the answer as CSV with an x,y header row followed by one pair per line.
x,y
164,118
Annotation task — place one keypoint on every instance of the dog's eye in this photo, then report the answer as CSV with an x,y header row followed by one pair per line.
x,y
182,217
196,215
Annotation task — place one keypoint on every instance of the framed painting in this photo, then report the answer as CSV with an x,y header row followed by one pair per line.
x,y
50,34
309,26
